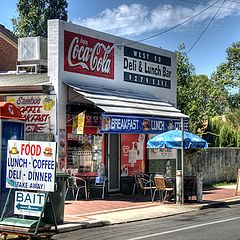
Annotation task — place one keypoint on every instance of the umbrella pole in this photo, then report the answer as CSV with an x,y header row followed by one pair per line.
x,y
182,160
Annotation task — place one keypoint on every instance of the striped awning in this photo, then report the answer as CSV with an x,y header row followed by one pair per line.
x,y
125,102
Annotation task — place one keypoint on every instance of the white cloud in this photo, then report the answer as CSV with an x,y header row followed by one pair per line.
x,y
136,19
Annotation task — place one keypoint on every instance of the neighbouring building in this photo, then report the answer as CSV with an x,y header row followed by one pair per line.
x,y
8,50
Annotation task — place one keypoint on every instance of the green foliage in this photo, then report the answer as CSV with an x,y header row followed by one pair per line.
x,y
205,100
227,74
33,15
224,131
185,72
227,136
197,96
234,101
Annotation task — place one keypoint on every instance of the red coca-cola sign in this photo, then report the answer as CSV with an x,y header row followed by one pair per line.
x,y
87,55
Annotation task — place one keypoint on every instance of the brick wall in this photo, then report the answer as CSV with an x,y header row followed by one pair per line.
x,y
8,56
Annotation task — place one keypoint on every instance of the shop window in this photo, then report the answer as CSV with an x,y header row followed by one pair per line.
x,y
84,149
165,167
85,153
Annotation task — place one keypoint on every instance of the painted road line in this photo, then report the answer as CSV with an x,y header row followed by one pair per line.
x,y
183,229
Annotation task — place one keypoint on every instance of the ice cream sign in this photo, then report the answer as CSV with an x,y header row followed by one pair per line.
x,y
31,165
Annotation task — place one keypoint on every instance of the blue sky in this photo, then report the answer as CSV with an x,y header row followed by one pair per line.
x,y
139,19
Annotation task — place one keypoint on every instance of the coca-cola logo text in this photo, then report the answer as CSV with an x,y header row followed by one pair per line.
x,y
86,55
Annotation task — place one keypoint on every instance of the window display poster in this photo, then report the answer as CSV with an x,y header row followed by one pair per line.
x,y
91,125
133,154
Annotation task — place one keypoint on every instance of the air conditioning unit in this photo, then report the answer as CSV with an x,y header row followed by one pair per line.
x,y
32,52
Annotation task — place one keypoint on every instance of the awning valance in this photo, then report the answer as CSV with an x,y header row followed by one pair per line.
x,y
124,102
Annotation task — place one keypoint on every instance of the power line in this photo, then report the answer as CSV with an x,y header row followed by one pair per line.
x,y
169,29
198,3
233,1
206,27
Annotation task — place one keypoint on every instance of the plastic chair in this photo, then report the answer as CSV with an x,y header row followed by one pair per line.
x,y
75,184
161,187
97,183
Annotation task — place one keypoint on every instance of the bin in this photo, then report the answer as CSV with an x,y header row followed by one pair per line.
x,y
58,200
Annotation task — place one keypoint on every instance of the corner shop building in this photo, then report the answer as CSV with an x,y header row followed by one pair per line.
x,y
112,95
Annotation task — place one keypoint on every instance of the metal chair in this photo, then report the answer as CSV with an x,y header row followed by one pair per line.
x,y
161,187
75,184
145,185
147,181
97,183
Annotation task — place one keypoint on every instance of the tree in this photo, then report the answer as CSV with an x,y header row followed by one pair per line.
x,y
185,72
197,96
56,9
234,101
228,73
33,15
206,100
224,130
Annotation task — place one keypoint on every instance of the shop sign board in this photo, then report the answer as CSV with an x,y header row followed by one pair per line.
x,y
142,67
138,124
31,165
97,59
39,112
88,55
29,203
162,153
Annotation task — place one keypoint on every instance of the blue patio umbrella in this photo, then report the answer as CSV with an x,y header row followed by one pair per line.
x,y
177,139
173,139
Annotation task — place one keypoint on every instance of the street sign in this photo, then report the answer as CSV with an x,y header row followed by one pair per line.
x,y
31,165
29,203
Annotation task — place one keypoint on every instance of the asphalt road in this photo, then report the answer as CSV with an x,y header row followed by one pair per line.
x,y
211,224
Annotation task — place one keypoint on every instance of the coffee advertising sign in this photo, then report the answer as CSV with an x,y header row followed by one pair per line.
x,y
39,112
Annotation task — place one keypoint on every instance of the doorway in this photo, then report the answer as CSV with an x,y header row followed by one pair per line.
x,y
113,162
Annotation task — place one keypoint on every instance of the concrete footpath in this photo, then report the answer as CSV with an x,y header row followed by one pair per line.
x,y
117,209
